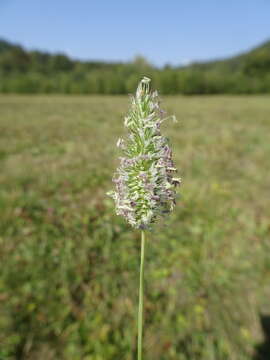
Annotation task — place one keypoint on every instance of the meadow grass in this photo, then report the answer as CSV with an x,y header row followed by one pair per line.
x,y
69,265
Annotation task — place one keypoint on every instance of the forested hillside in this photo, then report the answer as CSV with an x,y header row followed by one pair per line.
x,y
24,71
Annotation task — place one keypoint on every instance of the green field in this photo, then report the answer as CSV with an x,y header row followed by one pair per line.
x,y
69,265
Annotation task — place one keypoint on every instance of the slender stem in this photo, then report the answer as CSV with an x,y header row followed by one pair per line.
x,y
140,310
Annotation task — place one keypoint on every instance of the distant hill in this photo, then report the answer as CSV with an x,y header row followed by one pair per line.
x,y
258,57
23,71
5,45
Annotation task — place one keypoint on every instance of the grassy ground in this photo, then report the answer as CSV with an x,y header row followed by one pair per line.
x,y
69,265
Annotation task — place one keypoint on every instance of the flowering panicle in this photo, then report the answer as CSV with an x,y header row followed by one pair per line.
x,y
145,181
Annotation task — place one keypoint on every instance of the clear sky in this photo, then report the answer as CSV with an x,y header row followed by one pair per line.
x,y
165,31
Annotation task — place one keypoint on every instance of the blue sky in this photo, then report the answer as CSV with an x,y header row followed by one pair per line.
x,y
165,31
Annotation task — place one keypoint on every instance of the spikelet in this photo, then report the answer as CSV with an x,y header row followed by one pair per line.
x,y
145,182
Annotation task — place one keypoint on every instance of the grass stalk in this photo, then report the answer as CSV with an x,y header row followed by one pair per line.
x,y
141,294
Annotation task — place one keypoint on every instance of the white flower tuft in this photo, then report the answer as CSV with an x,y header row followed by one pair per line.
x,y
145,186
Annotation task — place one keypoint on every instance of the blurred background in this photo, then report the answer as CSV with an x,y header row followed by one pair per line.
x,y
69,265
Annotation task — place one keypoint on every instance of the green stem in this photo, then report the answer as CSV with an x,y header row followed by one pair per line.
x,y
140,310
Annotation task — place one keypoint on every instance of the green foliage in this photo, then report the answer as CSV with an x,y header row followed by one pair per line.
x,y
24,71
69,265
258,63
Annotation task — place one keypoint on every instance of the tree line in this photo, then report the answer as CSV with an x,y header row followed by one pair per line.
x,y
33,72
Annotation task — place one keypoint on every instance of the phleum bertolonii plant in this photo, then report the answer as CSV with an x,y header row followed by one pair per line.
x,y
145,180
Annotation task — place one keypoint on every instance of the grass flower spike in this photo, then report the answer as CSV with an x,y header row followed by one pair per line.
x,y
145,181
